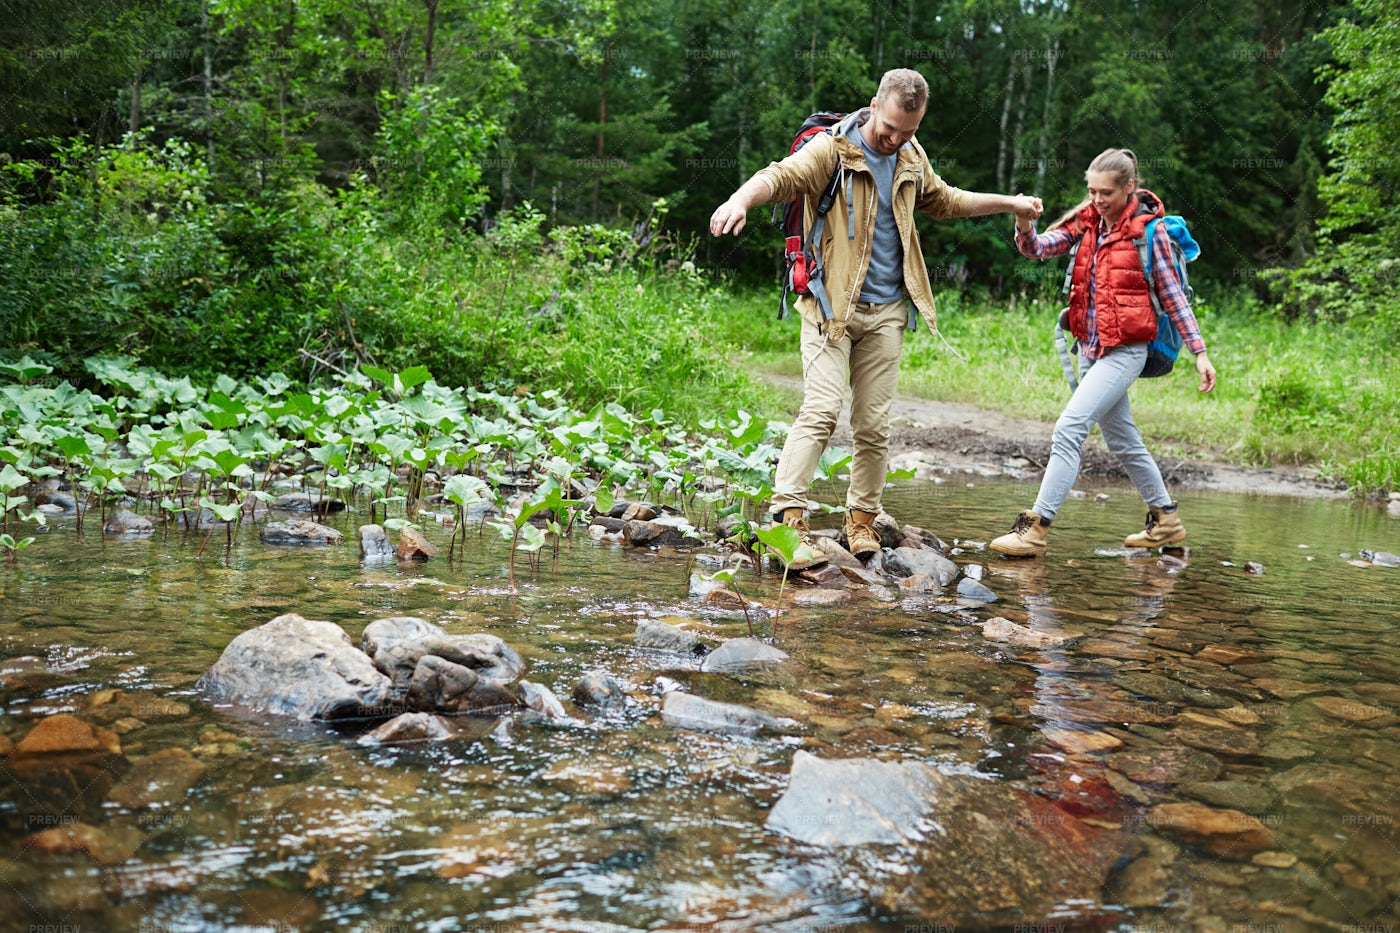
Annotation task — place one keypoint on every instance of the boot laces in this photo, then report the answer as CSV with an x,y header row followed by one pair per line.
x,y
1024,522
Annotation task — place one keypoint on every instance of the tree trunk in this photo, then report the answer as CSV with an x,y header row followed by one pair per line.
x,y
133,122
1047,113
880,15
1020,125
284,74
208,81
1005,118
432,6
602,122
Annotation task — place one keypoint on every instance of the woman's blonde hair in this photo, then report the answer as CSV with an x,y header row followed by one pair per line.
x,y
1121,164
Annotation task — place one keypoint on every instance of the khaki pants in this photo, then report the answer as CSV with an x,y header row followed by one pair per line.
x,y
866,359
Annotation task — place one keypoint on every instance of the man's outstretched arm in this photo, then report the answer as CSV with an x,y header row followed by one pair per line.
x,y
730,216
1024,206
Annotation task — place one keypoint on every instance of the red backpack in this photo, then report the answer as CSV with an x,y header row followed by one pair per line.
x,y
803,273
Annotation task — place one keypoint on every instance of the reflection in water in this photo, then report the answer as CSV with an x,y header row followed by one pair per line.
x,y
1158,693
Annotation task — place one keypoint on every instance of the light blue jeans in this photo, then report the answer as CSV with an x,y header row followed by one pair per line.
x,y
1102,399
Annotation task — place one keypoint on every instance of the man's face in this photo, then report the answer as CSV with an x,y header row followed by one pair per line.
x,y
890,126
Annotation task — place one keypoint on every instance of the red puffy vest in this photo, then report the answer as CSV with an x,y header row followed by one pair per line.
x,y
1122,302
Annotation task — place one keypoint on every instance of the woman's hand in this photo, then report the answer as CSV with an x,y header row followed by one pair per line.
x,y
1207,371
1026,209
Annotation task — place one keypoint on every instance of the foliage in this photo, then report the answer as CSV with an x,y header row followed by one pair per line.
x,y
196,456
429,169
1355,274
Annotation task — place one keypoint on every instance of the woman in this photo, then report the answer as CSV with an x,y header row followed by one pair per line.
x,y
1111,315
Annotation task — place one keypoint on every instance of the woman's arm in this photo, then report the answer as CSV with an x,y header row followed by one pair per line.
x,y
1177,306
1045,246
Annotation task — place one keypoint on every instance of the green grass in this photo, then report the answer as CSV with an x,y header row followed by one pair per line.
x,y
1289,393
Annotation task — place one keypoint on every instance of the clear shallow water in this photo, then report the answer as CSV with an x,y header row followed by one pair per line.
x,y
631,825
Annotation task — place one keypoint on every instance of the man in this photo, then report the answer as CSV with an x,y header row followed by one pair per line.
x,y
873,265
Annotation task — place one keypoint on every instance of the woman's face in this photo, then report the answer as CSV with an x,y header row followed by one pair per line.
x,y
1108,197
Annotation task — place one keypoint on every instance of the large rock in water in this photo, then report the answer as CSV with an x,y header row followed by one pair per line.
x,y
954,849
442,686
907,561
397,644
298,667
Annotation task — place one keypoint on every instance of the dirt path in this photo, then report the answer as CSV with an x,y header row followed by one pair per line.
x,y
957,438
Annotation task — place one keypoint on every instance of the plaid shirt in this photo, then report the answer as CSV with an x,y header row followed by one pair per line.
x,y
1165,281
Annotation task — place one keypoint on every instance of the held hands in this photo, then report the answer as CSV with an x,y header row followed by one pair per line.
x,y
729,217
1207,371
1026,208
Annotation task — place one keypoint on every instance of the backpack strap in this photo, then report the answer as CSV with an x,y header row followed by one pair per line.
x,y
1073,252
815,267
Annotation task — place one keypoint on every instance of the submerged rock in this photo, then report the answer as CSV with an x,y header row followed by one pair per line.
x,y
540,699
601,693
852,802
1250,797
969,588
110,706
65,734
665,530
1010,633
653,633
1166,765
702,585
159,780
1227,833
820,597
300,533
105,846
298,667
375,547
125,522
426,727
740,655
944,848
25,672
306,502
687,711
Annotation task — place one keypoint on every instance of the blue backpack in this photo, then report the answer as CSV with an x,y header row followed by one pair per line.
x,y
1163,349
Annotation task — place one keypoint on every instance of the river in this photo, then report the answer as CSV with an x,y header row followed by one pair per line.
x,y
1273,694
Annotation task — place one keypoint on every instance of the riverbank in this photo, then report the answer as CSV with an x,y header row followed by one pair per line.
x,y
958,438
1300,407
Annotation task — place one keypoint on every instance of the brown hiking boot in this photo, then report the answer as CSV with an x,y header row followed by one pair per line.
x,y
807,554
1163,527
1026,537
862,539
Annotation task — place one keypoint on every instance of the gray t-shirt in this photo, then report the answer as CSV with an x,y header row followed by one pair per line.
x,y
884,279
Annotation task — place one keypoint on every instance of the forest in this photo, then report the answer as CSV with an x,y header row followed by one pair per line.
x,y
509,192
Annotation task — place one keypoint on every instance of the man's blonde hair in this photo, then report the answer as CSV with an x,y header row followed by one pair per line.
x,y
906,87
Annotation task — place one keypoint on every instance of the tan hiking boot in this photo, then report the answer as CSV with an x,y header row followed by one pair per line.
x,y
862,539
807,554
1026,537
1163,527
